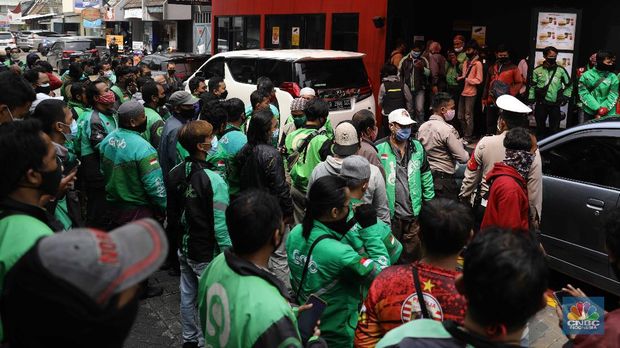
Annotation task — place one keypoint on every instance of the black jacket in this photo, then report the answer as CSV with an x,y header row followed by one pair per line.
x,y
262,167
190,210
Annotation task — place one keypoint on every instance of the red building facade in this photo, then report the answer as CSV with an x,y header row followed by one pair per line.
x,y
324,24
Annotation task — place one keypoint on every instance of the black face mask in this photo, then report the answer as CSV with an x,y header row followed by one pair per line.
x,y
551,61
502,60
140,128
341,226
51,180
45,90
161,101
470,55
224,95
606,67
171,72
187,114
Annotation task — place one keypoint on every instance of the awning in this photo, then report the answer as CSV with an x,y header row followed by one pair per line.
x,y
154,3
25,18
133,4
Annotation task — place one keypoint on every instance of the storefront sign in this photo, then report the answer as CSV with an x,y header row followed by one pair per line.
x,y
137,45
133,13
108,15
118,39
295,36
190,2
275,35
479,34
557,30
80,5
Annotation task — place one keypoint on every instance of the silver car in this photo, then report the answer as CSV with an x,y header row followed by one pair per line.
x,y
30,39
67,50
7,40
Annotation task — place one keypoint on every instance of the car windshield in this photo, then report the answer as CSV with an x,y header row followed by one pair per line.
x,y
5,36
337,73
78,45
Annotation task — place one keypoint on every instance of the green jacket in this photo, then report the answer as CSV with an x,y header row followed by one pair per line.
x,y
604,95
93,127
132,174
420,178
241,305
78,107
154,127
229,146
560,86
337,273
308,159
18,233
120,95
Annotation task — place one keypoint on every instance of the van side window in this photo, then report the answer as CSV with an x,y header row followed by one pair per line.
x,y
243,70
277,70
594,160
214,68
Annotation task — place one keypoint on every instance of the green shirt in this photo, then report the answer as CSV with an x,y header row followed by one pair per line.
x,y
560,86
604,95
154,127
308,159
93,127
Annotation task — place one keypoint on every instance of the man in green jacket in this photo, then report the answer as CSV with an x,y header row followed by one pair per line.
x,y
133,179
125,85
310,153
93,127
154,97
408,180
32,174
550,88
598,87
231,142
241,304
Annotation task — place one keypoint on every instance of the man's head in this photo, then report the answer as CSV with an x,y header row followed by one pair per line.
x,y
346,140
356,171
417,48
265,84
259,100
125,75
55,118
153,94
217,86
298,111
196,137
551,54
388,70
15,51
235,110
443,105
197,86
592,59
171,68
502,54
518,139
92,281
78,92
39,80
16,97
512,113
131,116
32,159
435,47
472,49
307,93
445,227
400,124
605,61
366,124
32,59
254,223
261,127
183,104
45,66
99,96
458,42
503,269
215,113
145,69
317,110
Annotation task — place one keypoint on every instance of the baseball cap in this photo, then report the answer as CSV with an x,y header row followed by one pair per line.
x,y
298,104
130,108
346,141
182,98
510,103
103,264
307,91
400,116
355,167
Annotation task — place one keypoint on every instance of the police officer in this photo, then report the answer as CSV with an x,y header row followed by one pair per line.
x,y
490,149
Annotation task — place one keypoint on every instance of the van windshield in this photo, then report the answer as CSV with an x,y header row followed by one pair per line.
x,y
337,73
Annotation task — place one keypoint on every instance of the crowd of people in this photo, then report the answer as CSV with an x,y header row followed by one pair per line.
x,y
125,173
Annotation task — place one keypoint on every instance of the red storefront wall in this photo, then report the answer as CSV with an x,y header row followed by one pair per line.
x,y
371,39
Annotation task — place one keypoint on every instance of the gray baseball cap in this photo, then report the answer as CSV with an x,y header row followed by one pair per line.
x,y
182,98
346,140
102,264
130,109
355,167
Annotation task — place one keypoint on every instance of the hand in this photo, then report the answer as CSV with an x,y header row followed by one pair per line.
x,y
558,312
317,331
435,90
459,78
602,111
66,183
303,307
574,292
366,215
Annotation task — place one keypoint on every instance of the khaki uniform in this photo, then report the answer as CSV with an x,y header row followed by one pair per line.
x,y
489,151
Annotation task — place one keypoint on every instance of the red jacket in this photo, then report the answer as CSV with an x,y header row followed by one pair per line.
x,y
55,82
611,337
508,205
509,74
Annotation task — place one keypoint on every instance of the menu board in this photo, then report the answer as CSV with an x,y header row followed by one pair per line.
x,y
557,30
564,59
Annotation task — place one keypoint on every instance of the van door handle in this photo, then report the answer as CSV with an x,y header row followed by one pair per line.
x,y
595,204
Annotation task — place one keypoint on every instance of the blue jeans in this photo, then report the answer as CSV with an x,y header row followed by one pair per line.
x,y
190,277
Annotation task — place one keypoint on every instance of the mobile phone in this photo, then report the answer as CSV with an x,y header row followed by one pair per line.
x,y
558,296
71,166
306,322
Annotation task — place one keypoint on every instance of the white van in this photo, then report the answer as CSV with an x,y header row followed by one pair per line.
x,y
338,77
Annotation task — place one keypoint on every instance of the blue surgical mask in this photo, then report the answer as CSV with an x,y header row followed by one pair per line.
x,y
74,130
403,134
274,137
416,54
214,144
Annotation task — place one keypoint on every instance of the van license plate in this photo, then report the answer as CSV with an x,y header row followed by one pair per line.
x,y
342,104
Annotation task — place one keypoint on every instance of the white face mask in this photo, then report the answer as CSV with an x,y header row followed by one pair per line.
x,y
449,115
458,50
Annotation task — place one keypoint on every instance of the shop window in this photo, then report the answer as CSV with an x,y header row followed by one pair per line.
x,y
237,33
309,31
345,31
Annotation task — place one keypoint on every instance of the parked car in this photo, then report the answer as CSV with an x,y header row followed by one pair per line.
x,y
338,77
47,42
7,40
100,43
186,63
70,49
30,39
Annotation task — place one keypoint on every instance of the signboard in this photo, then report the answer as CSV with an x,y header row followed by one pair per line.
x,y
275,35
133,13
137,45
108,14
91,18
80,5
202,38
117,38
295,36
557,30
479,33
190,2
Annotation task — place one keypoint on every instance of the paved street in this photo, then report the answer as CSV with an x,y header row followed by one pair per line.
x,y
158,323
